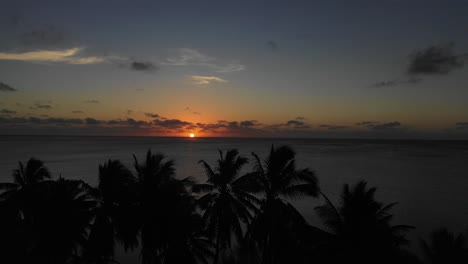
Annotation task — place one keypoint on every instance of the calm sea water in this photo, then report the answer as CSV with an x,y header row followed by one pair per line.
x,y
429,179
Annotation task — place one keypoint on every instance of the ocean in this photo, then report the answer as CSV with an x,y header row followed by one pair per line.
x,y
429,179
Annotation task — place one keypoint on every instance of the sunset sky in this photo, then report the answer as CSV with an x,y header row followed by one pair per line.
x,y
377,69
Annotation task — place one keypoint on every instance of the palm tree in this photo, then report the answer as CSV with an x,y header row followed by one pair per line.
x,y
15,227
275,228
362,228
32,173
226,203
165,208
115,199
446,247
60,215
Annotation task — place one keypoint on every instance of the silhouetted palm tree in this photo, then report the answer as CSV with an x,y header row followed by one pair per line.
x,y
14,225
32,173
60,215
165,208
116,200
362,227
446,247
225,203
276,226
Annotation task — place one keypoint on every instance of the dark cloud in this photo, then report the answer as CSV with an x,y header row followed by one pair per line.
x,y
92,121
384,84
367,123
48,36
386,126
77,112
296,124
152,115
248,123
392,83
272,45
461,125
7,112
93,101
434,60
6,88
171,123
190,110
333,127
143,66
41,106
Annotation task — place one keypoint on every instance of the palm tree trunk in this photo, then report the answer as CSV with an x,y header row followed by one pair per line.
x,y
218,236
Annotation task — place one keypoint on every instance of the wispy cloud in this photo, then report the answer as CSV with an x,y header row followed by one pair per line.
x,y
192,57
44,36
187,109
6,88
396,82
272,45
333,127
462,126
41,106
205,80
7,112
92,101
69,56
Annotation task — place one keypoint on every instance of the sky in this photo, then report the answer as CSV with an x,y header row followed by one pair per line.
x,y
345,69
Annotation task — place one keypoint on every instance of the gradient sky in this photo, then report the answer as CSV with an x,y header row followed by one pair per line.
x,y
377,69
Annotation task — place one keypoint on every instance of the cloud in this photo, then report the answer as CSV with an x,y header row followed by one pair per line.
x,y
129,112
6,88
461,125
192,57
152,115
42,37
301,118
171,123
384,84
143,66
272,45
248,123
435,60
392,83
367,123
296,124
190,110
7,112
375,125
92,101
41,106
333,127
205,80
386,126
92,121
70,56
77,112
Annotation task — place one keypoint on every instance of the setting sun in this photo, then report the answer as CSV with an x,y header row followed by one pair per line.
x,y
192,135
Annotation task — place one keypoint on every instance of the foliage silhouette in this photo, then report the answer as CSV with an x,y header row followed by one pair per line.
x,y
362,229
446,247
232,218
226,203
276,227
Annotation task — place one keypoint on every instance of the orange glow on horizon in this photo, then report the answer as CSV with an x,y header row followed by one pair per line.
x,y
192,135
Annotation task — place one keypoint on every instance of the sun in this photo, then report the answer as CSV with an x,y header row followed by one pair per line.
x,y
192,135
